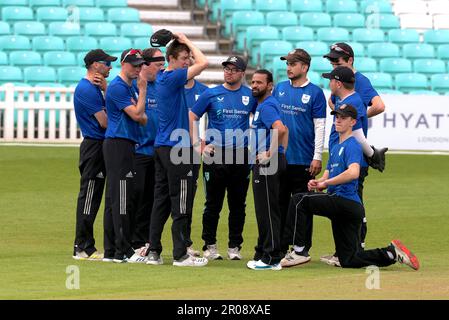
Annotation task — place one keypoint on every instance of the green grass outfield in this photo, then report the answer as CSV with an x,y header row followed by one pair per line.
x,y
38,191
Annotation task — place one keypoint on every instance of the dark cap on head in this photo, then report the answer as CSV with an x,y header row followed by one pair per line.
x,y
133,56
237,61
298,55
346,110
338,50
343,74
97,55
161,37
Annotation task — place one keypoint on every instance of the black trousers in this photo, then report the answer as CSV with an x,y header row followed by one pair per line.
x,y
93,173
294,180
346,219
268,215
173,192
142,200
363,174
119,160
219,179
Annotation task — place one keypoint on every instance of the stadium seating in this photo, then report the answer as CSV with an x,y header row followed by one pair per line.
x,y
306,6
142,42
4,28
47,14
410,81
296,34
67,75
48,43
400,36
239,23
271,49
121,15
256,34
395,65
443,51
349,20
365,65
25,58
64,29
101,29
423,92
315,19
29,28
358,48
89,14
376,6
340,6
382,21
80,43
10,74
33,75
14,13
135,29
416,51
59,58
429,66
380,80
280,19
9,43
332,35
115,43
440,82
44,3
106,4
364,35
320,65
436,37
78,3
383,50
270,5
3,58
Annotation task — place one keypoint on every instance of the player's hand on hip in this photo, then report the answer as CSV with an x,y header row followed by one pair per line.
x,y
315,167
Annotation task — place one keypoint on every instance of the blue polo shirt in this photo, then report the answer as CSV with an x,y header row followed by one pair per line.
x,y
341,156
119,96
362,120
267,113
299,106
88,100
147,133
227,111
172,108
192,94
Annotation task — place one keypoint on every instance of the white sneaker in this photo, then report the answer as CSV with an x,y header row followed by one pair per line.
x,y
190,261
211,253
82,255
107,260
259,265
137,258
234,254
330,260
154,258
192,252
124,260
404,255
293,259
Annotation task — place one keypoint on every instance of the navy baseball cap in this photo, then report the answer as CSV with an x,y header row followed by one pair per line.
x,y
346,110
97,55
338,50
161,37
343,74
237,61
133,56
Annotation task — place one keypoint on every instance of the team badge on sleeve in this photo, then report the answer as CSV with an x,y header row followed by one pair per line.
x,y
245,100
305,98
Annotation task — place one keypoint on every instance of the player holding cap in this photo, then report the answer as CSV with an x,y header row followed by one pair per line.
x,y
303,110
342,205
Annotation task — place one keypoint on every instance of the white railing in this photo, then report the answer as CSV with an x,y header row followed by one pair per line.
x,y
37,114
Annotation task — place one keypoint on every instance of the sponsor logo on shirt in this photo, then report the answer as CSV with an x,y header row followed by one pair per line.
x,y
245,100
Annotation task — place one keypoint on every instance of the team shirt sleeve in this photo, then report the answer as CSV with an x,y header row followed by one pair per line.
x,y
319,105
176,78
121,97
202,104
269,115
91,100
366,90
353,153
